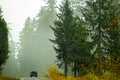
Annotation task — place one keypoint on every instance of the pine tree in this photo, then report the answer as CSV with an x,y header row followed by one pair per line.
x,y
3,41
80,56
95,14
101,15
47,15
34,39
62,31
114,39
27,46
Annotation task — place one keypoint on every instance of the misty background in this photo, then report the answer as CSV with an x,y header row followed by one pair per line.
x,y
29,34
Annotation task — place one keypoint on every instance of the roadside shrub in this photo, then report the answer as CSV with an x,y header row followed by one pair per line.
x,y
55,74
109,76
8,78
91,76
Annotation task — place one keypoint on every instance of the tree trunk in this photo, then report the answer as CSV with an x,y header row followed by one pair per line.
x,y
65,69
75,70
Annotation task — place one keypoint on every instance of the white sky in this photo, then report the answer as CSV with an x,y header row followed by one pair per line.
x,y
16,12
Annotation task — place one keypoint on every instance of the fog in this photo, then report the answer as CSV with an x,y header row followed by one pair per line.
x,y
29,52
36,52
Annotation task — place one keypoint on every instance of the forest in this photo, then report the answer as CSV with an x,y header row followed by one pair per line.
x,y
80,37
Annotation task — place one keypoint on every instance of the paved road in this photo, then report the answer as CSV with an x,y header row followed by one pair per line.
x,y
33,78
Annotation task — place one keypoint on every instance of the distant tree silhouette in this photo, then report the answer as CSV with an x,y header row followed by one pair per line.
x,y
3,41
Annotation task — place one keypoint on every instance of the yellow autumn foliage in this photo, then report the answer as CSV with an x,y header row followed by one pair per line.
x,y
8,78
109,76
52,72
55,74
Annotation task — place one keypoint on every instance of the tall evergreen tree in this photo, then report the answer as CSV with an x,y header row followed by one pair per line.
x,y
62,31
3,41
99,15
12,62
114,39
27,46
80,56
94,15
34,39
47,15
